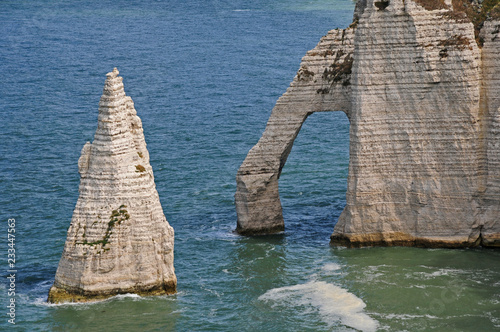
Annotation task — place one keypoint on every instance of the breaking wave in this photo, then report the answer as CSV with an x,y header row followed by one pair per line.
x,y
334,304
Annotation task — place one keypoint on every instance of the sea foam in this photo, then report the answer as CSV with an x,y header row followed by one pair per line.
x,y
333,304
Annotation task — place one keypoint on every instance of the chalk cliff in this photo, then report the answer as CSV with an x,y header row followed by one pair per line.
x,y
423,102
119,240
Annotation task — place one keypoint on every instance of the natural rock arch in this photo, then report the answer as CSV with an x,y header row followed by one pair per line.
x,y
322,84
422,100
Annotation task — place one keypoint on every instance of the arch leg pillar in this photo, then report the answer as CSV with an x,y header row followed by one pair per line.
x,y
258,204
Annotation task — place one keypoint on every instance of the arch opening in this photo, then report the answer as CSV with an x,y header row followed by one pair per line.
x,y
313,183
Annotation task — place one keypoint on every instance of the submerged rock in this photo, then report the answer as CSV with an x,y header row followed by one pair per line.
x,y
119,240
423,103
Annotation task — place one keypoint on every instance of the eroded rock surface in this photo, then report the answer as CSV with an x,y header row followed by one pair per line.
x,y
423,102
119,240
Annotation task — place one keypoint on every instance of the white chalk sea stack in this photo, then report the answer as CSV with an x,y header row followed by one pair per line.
x,y
422,97
119,240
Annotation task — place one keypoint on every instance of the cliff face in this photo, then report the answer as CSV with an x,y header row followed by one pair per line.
x,y
119,240
422,99
414,147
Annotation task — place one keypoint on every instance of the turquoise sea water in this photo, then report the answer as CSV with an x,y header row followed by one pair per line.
x,y
204,76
